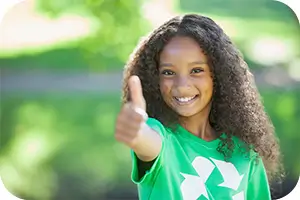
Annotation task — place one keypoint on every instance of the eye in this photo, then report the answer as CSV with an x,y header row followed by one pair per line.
x,y
197,70
167,72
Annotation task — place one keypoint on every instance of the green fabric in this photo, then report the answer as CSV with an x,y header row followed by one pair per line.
x,y
190,168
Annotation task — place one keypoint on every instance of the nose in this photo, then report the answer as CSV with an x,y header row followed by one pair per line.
x,y
182,84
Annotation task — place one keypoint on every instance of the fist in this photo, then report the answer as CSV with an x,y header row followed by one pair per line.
x,y
132,116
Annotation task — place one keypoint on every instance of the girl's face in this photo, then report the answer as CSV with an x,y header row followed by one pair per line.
x,y
186,82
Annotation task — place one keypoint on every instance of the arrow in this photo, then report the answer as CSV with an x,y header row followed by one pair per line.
x,y
231,176
192,187
203,167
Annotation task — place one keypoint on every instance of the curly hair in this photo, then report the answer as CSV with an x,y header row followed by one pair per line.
x,y
236,109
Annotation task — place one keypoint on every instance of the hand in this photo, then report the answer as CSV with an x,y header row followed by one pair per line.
x,y
132,116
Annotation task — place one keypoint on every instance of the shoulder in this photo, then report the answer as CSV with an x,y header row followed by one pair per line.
x,y
152,122
157,126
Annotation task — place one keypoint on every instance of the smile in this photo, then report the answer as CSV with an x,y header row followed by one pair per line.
x,y
185,100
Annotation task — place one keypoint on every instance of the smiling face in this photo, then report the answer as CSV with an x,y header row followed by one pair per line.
x,y
186,82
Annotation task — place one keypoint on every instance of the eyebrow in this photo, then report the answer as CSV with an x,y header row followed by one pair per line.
x,y
190,64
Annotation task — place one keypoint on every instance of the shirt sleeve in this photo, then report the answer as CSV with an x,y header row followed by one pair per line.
x,y
150,174
258,185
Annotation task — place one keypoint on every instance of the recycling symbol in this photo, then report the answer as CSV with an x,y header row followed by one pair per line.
x,y
194,187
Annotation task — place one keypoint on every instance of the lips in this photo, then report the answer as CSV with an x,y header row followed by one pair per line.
x,y
185,100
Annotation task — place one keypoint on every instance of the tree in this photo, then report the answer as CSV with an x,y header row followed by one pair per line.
x,y
119,25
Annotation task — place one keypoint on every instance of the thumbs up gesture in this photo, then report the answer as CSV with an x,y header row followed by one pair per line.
x,y
132,116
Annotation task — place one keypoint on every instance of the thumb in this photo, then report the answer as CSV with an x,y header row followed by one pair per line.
x,y
136,93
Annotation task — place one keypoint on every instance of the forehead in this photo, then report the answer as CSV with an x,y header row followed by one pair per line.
x,y
184,48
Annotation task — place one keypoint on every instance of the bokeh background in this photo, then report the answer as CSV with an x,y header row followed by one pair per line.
x,y
61,74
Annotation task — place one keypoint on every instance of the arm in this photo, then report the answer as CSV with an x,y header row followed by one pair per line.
x,y
148,144
144,170
131,127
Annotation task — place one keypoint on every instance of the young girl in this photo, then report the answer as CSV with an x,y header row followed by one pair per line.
x,y
207,135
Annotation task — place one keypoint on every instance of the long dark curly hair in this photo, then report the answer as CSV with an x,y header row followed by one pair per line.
x,y
236,109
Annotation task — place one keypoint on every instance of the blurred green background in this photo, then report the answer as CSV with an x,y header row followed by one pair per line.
x,y
61,68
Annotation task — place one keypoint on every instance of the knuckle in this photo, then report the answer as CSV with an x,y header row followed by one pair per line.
x,y
122,119
119,130
134,133
138,117
123,111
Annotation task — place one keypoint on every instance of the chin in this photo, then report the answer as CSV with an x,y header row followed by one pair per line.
x,y
186,113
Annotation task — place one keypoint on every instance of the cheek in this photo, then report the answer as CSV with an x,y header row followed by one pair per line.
x,y
206,87
165,87
209,89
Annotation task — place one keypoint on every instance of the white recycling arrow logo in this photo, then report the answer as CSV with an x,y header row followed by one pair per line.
x,y
194,187
203,168
230,175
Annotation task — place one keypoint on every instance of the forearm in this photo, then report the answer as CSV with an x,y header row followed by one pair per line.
x,y
148,144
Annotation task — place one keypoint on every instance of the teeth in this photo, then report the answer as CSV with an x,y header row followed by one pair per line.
x,y
184,99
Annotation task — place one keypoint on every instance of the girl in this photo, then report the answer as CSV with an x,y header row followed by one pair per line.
x,y
207,135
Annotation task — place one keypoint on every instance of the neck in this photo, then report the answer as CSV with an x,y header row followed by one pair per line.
x,y
199,125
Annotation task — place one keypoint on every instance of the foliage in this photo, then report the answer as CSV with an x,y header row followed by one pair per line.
x,y
264,9
119,27
282,106
48,140
249,22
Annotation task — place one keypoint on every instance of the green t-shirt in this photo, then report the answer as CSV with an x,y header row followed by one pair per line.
x,y
190,168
